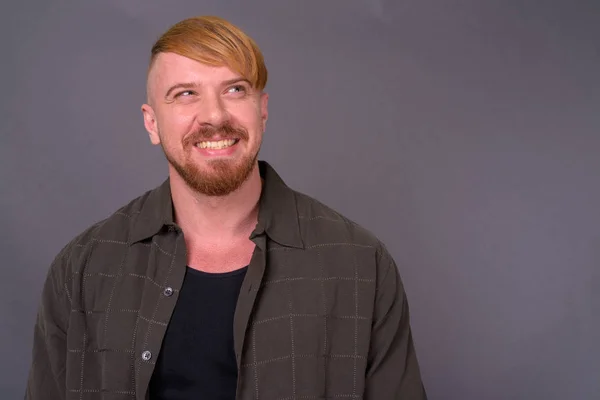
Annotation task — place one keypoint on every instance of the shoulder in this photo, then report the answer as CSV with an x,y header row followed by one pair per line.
x,y
322,225
343,241
113,229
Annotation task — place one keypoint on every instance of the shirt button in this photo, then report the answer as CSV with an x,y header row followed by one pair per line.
x,y
146,355
168,291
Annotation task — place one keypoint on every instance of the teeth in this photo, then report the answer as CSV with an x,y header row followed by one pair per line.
x,y
221,144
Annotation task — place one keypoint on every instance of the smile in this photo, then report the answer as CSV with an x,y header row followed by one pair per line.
x,y
218,144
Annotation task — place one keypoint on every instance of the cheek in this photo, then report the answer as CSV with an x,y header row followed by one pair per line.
x,y
247,114
254,124
181,118
175,125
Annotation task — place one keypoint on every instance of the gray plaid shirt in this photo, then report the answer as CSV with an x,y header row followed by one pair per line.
x,y
322,312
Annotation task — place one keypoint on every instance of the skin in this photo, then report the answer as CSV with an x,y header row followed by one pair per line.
x,y
216,227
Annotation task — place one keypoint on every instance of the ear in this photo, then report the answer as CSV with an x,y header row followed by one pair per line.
x,y
150,123
264,109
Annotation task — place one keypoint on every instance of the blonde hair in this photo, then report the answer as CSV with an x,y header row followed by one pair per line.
x,y
214,41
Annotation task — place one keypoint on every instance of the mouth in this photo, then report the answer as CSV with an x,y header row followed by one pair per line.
x,y
216,144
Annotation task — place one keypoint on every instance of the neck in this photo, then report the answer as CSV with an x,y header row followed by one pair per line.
x,y
231,216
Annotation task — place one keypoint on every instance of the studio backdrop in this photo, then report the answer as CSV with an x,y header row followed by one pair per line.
x,y
465,134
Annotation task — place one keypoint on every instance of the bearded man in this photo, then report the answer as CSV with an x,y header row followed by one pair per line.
x,y
223,282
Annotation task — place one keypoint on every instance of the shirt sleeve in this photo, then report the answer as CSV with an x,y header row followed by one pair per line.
x,y
46,380
392,368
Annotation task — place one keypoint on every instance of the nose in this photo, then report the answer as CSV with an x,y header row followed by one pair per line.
x,y
212,111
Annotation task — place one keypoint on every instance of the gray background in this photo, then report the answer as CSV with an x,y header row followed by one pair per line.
x,y
464,133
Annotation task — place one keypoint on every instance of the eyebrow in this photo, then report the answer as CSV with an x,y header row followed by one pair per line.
x,y
192,85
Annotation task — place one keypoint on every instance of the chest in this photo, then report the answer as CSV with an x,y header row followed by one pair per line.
x,y
303,320
198,346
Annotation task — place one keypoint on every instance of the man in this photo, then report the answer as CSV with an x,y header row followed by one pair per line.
x,y
223,282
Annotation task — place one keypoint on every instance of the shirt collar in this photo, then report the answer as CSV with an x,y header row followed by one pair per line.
x,y
277,215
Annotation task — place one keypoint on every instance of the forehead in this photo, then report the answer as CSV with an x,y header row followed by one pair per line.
x,y
170,68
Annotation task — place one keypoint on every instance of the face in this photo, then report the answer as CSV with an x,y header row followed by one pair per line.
x,y
208,120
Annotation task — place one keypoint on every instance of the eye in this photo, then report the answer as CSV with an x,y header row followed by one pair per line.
x,y
185,93
237,89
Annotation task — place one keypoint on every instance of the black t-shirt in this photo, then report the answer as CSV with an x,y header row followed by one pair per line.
x,y
197,359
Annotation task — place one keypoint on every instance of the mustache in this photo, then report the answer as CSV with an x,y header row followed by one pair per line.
x,y
225,131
